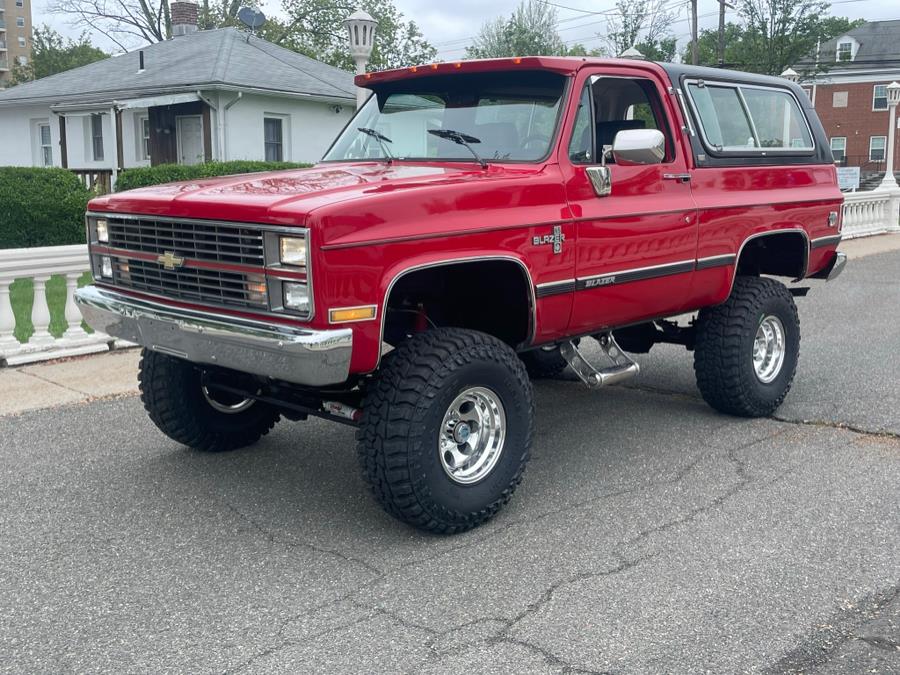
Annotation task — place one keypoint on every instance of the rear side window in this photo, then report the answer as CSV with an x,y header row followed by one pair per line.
x,y
749,120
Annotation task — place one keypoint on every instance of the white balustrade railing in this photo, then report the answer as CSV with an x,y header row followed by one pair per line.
x,y
39,265
871,212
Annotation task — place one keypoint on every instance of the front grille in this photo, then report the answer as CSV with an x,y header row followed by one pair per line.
x,y
189,239
229,289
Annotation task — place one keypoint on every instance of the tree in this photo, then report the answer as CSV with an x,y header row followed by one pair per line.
x,y
311,27
643,24
771,41
530,31
52,54
314,28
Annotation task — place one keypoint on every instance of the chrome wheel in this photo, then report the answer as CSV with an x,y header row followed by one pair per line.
x,y
472,435
769,349
227,403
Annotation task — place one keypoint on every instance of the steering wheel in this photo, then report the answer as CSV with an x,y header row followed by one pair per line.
x,y
535,138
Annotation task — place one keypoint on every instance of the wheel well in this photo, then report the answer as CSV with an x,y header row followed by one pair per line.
x,y
782,254
492,296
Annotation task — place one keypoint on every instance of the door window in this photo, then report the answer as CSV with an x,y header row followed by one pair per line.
x,y
609,105
274,139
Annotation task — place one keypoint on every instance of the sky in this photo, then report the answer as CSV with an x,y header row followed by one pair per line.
x,y
450,26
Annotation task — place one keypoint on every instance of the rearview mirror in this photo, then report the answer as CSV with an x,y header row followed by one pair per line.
x,y
639,146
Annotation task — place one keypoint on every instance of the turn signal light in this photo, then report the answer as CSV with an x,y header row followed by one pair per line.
x,y
351,314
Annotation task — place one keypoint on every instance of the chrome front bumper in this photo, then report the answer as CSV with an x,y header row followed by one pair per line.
x,y
299,355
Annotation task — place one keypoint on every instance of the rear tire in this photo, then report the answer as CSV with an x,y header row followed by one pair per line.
x,y
174,397
747,348
446,429
544,362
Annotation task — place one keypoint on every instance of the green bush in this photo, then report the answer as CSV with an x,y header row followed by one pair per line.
x,y
41,207
170,173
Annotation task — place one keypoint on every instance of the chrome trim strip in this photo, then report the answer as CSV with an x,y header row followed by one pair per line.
x,y
819,242
173,219
716,261
452,261
635,274
278,351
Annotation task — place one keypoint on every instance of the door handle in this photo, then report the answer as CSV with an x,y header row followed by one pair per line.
x,y
680,177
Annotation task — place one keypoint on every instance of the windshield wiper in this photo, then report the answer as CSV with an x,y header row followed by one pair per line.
x,y
382,141
460,139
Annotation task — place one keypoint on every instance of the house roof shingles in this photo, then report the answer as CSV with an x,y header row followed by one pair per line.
x,y
226,57
879,47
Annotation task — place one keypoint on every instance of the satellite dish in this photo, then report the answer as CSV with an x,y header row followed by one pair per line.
x,y
250,17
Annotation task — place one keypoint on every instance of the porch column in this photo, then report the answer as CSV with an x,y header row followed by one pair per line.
x,y
114,125
63,146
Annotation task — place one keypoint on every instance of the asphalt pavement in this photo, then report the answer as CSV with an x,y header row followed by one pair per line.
x,y
650,535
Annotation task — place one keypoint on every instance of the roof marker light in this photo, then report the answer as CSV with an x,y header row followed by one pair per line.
x,y
434,66
457,65
517,60
414,69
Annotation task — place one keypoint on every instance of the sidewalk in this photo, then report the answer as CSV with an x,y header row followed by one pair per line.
x,y
82,379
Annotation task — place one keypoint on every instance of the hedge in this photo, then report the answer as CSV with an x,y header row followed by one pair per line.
x,y
41,207
169,173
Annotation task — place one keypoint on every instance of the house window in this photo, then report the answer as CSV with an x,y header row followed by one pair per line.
x,y
839,148
876,148
22,60
46,154
839,99
274,139
845,51
97,137
20,21
21,41
879,97
144,125
20,3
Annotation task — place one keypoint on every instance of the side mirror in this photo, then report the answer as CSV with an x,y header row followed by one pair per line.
x,y
633,147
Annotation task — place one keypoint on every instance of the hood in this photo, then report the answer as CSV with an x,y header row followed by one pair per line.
x,y
287,197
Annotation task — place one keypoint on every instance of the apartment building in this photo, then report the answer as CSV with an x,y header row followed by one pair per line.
x,y
850,96
15,36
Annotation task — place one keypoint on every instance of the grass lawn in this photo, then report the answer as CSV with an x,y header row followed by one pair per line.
x,y
21,295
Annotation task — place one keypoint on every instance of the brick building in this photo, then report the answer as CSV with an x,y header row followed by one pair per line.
x,y
850,95
15,36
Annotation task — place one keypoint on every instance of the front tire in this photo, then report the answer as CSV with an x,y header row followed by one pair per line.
x,y
747,348
179,405
446,429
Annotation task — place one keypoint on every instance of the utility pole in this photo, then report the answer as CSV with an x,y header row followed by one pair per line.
x,y
695,47
721,50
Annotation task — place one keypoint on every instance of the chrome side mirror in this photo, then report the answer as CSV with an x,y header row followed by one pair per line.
x,y
633,147
600,179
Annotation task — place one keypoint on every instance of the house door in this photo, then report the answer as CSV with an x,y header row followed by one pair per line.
x,y
189,134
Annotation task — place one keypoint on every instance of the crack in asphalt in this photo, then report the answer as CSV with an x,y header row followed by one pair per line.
x,y
843,426
880,642
741,472
288,543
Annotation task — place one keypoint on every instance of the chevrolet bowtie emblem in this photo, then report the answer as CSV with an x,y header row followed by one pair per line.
x,y
169,260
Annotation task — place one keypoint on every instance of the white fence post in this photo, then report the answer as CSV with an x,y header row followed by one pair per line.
x,y
40,264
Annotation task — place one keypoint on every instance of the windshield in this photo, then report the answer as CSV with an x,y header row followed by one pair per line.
x,y
486,117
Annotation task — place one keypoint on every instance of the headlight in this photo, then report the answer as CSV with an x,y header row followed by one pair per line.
x,y
293,251
102,231
106,266
296,296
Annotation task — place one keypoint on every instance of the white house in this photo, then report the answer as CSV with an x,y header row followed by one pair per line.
x,y
203,95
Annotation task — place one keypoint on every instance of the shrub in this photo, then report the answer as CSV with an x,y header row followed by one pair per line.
x,y
41,207
169,173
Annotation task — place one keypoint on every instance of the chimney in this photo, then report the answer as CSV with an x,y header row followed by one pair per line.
x,y
185,16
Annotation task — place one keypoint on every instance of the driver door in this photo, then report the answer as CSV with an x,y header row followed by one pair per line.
x,y
635,245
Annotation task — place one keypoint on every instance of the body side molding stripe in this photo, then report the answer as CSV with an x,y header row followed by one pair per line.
x,y
638,274
716,261
555,288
